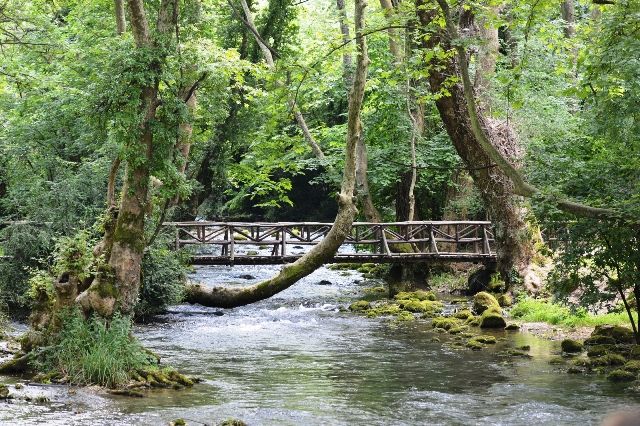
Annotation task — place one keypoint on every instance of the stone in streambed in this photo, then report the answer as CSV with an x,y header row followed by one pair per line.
x,y
621,376
571,346
416,295
360,306
616,332
484,301
247,277
324,282
491,318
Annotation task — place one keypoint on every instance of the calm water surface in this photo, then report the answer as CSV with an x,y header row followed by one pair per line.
x,y
297,360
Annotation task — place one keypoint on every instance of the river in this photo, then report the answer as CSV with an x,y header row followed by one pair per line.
x,y
296,359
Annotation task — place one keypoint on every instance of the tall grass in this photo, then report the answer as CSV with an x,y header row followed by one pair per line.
x,y
93,351
533,310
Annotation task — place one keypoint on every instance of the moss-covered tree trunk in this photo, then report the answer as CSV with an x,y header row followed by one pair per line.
x,y
320,254
496,189
117,283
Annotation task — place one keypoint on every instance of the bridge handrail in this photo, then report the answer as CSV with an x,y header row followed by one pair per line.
x,y
423,222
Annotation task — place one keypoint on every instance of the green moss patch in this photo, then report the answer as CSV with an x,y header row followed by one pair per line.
x,y
571,346
483,301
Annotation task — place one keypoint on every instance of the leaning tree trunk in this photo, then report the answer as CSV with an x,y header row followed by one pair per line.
x,y
325,250
496,189
365,200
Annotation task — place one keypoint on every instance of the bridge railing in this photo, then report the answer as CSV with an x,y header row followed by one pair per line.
x,y
366,240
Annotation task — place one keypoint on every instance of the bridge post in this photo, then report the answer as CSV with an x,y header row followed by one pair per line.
x,y
232,240
283,242
433,247
486,249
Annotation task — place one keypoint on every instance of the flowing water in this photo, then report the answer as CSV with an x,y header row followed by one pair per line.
x,y
296,359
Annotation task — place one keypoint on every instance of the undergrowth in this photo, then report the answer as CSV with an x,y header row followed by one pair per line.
x,y
533,310
93,351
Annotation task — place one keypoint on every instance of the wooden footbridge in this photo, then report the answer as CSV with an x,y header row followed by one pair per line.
x,y
238,243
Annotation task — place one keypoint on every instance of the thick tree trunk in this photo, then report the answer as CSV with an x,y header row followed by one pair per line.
x,y
496,189
324,251
117,283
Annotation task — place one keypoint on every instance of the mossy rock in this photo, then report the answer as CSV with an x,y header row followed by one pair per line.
x,y
598,350
464,314
633,366
233,422
516,353
512,327
484,338
179,422
620,375
600,340
474,345
608,359
634,353
618,333
416,295
405,316
343,266
4,391
483,301
458,330
571,346
360,306
384,310
581,362
423,306
523,348
505,300
366,268
252,253
445,323
473,321
575,370
375,290
491,319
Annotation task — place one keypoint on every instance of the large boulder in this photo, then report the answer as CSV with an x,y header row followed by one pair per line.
x,y
492,319
616,332
483,301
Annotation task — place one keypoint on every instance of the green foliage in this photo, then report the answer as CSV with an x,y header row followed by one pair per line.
x,y
27,247
533,310
93,351
41,285
163,276
75,255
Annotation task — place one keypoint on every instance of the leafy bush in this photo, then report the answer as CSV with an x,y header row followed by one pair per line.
x,y
93,351
28,246
74,254
163,275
